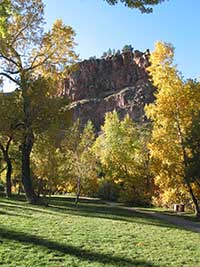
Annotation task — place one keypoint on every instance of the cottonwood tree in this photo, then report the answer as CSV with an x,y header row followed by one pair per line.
x,y
46,164
5,9
26,54
10,113
145,6
193,144
120,152
172,112
80,162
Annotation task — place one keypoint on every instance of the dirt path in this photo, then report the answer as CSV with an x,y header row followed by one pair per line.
x,y
173,219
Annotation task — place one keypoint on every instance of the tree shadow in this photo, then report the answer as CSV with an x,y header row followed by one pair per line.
x,y
88,208
13,214
81,254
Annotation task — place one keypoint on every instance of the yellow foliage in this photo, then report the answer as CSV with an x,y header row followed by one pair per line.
x,y
171,113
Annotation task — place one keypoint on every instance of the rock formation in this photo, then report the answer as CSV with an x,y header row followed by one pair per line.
x,y
118,83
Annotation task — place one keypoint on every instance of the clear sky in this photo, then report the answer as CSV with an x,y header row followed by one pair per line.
x,y
99,26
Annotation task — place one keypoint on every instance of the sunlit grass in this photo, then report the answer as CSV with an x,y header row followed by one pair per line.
x,y
92,234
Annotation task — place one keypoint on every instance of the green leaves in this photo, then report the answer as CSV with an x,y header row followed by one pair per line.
x,y
172,113
121,153
5,11
145,6
80,161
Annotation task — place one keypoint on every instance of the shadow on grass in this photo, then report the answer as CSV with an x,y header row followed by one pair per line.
x,y
86,208
82,254
7,213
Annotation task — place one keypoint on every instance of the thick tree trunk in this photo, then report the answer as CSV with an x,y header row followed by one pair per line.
x,y
27,141
27,145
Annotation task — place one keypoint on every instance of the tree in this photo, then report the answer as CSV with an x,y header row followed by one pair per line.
x,y
104,55
10,112
118,52
26,54
127,48
47,162
109,53
120,152
176,103
144,6
5,9
80,162
193,143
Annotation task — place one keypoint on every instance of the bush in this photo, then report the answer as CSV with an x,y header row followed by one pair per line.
x,y
108,190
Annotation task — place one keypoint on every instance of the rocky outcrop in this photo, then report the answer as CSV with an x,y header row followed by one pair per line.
x,y
118,83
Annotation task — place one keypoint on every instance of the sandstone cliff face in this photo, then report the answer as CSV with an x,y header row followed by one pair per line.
x,y
118,83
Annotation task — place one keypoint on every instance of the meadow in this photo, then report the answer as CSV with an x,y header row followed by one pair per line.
x,y
91,234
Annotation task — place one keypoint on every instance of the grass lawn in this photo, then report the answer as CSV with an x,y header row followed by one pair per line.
x,y
92,234
188,214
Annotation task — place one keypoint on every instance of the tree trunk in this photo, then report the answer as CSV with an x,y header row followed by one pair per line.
x,y
19,190
40,187
8,176
27,141
78,190
185,163
195,201
27,144
8,168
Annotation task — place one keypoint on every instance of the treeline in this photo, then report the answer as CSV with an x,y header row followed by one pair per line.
x,y
154,163
113,52
114,165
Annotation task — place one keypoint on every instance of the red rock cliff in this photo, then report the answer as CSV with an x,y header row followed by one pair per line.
x,y
119,82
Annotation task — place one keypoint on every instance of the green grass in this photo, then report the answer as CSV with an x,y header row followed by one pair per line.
x,y
188,214
92,234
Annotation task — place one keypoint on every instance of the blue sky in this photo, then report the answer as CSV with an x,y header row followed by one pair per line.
x,y
99,26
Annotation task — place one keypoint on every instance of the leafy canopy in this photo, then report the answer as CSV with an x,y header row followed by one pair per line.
x,y
176,103
145,6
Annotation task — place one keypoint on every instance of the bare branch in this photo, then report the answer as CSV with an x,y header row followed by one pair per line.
x,y
18,125
9,59
40,63
18,57
10,78
11,72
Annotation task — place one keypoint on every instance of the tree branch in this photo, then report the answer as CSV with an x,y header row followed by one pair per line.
x,y
2,170
9,59
11,72
2,148
8,143
9,77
